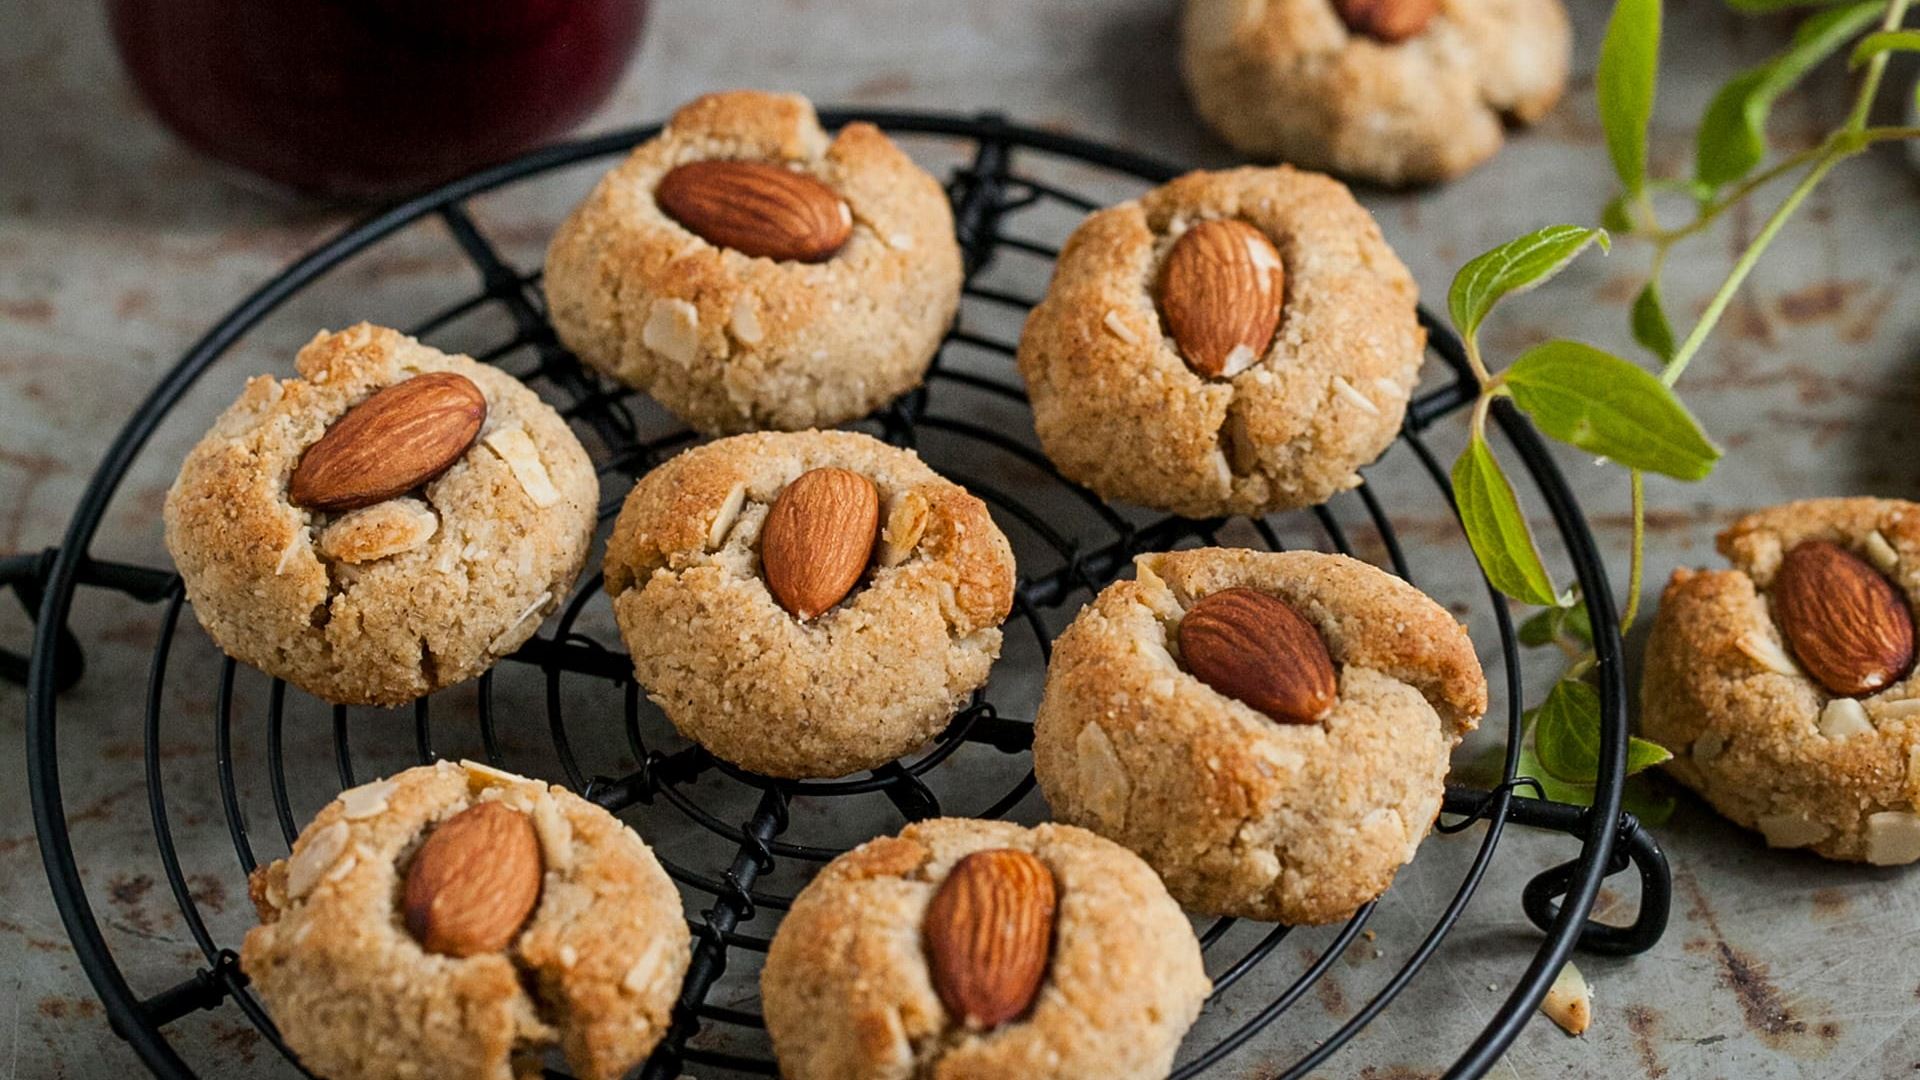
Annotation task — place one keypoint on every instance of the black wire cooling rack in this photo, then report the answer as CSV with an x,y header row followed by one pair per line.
x,y
728,837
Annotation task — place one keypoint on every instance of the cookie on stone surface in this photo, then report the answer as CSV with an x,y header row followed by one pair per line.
x,y
358,591
594,966
1244,810
862,971
1783,686
783,678
685,273
1293,372
1388,101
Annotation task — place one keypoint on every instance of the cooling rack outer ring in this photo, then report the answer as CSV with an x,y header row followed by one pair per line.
x,y
46,584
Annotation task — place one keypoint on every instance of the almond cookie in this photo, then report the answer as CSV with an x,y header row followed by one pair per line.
x,y
1231,343
389,522
1269,730
749,272
807,604
456,921
1389,91
982,949
1784,686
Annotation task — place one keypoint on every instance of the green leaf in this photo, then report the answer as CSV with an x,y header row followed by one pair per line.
x,y
1650,326
1496,528
1546,626
1551,786
1733,133
1617,215
1761,7
1515,266
1884,41
1566,735
1624,84
1611,407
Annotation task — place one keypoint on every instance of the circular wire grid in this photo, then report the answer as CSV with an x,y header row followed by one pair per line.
x,y
740,845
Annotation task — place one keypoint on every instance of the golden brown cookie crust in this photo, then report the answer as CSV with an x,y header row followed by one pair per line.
x,y
872,678
381,605
1118,410
734,343
1242,816
1749,730
596,969
1287,80
848,995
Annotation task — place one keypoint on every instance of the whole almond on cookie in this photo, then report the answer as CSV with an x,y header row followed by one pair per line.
x,y
1846,624
988,935
391,443
474,881
756,208
1256,648
1220,294
818,538
1389,21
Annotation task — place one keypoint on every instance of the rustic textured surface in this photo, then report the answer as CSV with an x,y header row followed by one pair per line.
x,y
117,248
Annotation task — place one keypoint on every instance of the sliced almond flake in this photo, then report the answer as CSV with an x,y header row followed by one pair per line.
x,y
482,775
507,634
315,857
1843,718
299,540
555,832
365,800
1106,784
1899,710
1118,327
1893,838
900,241
1790,830
906,523
672,329
1345,389
343,867
1239,359
517,449
724,518
745,321
644,970
1767,652
380,531
1386,386
1882,553
1569,1001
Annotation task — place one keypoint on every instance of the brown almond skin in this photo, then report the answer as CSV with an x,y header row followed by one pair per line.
x,y
474,881
1845,622
756,208
1387,21
391,443
988,936
1256,648
1214,295
818,539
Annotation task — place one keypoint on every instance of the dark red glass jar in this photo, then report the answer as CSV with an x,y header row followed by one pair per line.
x,y
372,98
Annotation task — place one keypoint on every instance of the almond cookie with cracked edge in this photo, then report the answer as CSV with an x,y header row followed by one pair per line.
x,y
731,342
848,993
1119,410
871,678
1244,816
1288,80
594,970
1764,743
379,605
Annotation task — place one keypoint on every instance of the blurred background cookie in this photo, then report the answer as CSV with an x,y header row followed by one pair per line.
x,y
1270,731
1387,91
1230,343
807,604
982,949
456,921
1783,686
748,272
389,522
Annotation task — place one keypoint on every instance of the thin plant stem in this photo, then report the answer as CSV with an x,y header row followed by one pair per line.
x,y
1638,564
1876,68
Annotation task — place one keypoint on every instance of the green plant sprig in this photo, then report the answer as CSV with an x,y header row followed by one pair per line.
x,y
1616,408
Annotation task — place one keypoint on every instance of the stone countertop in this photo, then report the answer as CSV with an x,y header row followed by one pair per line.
x,y
118,247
